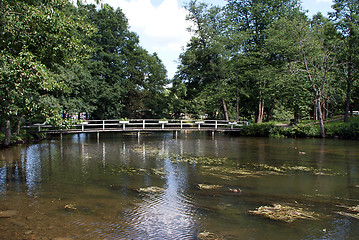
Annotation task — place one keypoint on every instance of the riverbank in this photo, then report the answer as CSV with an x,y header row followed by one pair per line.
x,y
333,129
21,138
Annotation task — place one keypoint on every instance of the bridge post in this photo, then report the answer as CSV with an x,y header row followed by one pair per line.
x,y
181,124
143,124
163,123
38,126
199,124
103,124
232,124
215,124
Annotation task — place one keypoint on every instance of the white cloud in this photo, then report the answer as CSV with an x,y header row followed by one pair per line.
x,y
161,28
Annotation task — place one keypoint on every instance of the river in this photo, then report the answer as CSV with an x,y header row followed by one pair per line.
x,y
192,186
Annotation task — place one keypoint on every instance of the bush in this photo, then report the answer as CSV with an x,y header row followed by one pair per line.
x,y
333,129
307,130
270,130
344,130
257,129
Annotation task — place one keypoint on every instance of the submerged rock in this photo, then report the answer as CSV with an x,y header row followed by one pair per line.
x,y
70,207
208,236
8,213
235,190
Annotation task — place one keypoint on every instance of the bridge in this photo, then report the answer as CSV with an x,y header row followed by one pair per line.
x,y
141,125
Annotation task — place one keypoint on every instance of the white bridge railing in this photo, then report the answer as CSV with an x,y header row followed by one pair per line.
x,y
143,124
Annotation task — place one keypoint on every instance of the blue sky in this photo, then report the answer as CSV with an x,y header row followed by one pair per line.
x,y
161,24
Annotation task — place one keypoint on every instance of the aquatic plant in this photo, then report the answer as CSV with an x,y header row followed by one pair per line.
x,y
152,189
354,211
208,236
283,213
158,171
197,160
208,186
123,169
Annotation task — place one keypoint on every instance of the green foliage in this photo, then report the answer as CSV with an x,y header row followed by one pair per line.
x,y
339,129
306,130
59,60
37,37
267,60
349,130
258,129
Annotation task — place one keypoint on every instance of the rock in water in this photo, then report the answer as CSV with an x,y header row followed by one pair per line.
x,y
8,213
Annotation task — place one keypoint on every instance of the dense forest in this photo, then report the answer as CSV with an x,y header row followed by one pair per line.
x,y
253,60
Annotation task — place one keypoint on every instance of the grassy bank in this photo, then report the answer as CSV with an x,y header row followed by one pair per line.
x,y
333,129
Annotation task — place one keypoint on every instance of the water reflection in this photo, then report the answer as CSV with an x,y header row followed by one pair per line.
x,y
168,215
32,160
100,177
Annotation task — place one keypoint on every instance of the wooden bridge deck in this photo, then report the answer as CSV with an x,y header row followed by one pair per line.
x,y
142,125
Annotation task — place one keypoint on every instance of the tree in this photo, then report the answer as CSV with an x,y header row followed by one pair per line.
x,y
252,18
36,37
346,17
311,48
124,75
203,64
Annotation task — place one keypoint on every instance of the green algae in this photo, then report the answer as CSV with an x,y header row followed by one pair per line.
x,y
197,160
284,213
208,186
123,169
152,189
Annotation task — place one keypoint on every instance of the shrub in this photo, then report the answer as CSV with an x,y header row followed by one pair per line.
x,y
344,130
257,129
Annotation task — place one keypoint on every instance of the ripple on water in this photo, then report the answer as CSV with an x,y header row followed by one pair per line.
x,y
162,216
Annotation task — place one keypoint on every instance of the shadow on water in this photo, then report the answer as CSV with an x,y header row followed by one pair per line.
x,y
160,187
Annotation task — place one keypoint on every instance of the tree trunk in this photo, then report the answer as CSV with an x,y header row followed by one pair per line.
x,y
7,139
347,102
325,112
270,113
18,125
315,113
349,79
260,111
225,110
237,107
320,118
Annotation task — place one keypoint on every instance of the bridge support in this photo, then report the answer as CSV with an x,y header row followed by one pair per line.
x,y
98,136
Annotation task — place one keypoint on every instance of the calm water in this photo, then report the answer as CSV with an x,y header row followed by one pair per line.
x,y
84,188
